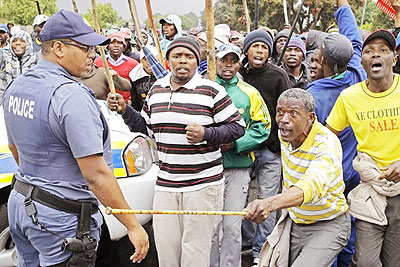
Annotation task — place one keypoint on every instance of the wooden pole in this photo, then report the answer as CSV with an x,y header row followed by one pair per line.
x,y
363,14
296,19
285,13
75,6
154,30
102,52
110,211
38,7
246,12
135,18
256,15
211,71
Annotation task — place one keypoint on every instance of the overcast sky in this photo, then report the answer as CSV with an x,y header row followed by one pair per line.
x,y
178,7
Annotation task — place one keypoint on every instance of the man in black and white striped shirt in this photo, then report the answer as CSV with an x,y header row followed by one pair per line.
x,y
189,117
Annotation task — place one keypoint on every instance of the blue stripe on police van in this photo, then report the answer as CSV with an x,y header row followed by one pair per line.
x,y
7,163
117,158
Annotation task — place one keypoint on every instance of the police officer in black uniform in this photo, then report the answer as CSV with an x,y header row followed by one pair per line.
x,y
60,140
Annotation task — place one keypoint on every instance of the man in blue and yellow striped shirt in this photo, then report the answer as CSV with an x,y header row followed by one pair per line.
x,y
313,184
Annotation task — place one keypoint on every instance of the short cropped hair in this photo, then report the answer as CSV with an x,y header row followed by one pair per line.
x,y
301,94
47,45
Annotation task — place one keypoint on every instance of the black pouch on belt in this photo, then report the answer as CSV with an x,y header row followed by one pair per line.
x,y
84,246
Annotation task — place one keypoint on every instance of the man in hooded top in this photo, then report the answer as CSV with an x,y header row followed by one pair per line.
x,y
171,28
16,60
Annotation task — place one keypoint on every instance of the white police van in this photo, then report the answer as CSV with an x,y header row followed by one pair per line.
x,y
134,158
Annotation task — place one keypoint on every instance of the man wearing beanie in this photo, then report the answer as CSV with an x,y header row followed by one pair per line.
x,y
340,57
189,118
270,81
278,45
294,64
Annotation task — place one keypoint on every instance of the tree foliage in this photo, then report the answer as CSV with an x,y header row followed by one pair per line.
x,y
315,14
189,20
106,15
23,12
374,18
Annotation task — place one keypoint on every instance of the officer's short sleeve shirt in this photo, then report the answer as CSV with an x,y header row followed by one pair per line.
x,y
75,120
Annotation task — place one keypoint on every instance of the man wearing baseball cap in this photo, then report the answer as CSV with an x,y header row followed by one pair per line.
x,y
38,24
119,62
372,110
293,63
339,55
60,140
237,155
3,35
189,117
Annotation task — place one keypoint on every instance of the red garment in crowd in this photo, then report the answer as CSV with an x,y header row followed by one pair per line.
x,y
122,70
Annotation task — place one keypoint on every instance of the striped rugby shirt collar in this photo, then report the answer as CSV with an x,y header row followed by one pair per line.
x,y
192,84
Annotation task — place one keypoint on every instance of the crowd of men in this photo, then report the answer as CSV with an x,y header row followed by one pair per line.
x,y
316,125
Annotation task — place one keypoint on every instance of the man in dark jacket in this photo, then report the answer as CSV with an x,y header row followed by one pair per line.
x,y
340,57
279,43
271,81
294,64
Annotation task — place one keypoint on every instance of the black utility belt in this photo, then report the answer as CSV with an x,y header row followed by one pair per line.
x,y
50,200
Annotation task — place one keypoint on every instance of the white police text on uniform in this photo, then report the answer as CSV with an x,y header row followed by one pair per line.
x,y
21,107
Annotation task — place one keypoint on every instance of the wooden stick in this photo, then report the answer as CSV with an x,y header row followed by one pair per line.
x,y
246,13
135,18
110,211
102,52
211,71
38,7
285,13
154,30
296,19
75,6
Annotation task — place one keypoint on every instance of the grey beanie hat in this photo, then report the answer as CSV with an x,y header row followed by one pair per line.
x,y
337,48
185,41
257,36
283,33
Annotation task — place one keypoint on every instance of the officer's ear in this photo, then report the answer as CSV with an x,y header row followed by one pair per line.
x,y
58,48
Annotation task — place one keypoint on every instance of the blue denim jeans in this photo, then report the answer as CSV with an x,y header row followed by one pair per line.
x,y
268,174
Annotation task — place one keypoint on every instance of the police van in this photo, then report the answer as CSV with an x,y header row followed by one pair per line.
x,y
134,159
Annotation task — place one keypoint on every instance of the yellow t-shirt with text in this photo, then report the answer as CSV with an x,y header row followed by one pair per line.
x,y
374,118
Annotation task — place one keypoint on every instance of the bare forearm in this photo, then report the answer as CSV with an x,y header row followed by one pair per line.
x,y
122,84
291,198
397,20
260,209
104,185
14,152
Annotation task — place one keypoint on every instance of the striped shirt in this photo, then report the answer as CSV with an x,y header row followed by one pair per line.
x,y
316,168
186,166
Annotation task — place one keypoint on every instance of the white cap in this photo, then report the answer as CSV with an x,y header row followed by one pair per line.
x,y
222,33
39,19
225,49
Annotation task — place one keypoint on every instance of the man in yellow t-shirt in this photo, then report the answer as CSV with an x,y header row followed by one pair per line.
x,y
372,109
